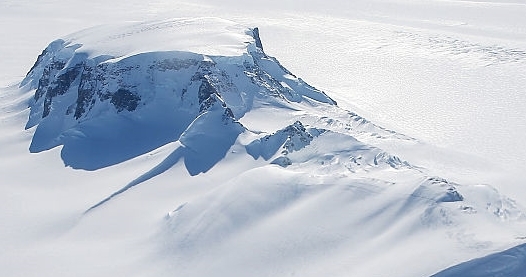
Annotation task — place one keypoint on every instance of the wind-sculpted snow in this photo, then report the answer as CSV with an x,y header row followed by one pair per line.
x,y
511,262
203,144
488,54
206,157
438,189
303,209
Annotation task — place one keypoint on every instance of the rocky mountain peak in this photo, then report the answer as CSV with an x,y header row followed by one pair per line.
x,y
85,78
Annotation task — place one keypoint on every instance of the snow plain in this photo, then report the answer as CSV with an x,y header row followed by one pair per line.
x,y
449,73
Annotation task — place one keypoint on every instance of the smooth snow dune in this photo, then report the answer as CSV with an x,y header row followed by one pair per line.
x,y
511,262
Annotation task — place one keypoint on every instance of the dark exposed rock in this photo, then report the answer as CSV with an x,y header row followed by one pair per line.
x,y
296,133
86,91
124,99
39,60
48,75
264,80
255,35
228,114
291,138
205,91
60,86
207,103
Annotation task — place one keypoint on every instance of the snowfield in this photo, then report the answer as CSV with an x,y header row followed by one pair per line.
x,y
164,138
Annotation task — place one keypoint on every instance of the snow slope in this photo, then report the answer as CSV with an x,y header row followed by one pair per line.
x,y
507,263
353,192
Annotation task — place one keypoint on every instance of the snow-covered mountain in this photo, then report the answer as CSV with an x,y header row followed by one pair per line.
x,y
100,80
189,151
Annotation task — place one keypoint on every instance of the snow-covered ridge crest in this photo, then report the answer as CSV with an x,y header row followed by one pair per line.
x,y
207,36
151,78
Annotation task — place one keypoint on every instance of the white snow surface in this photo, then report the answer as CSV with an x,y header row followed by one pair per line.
x,y
508,263
341,197
207,36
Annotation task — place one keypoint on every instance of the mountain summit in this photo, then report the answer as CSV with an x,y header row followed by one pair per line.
x,y
146,83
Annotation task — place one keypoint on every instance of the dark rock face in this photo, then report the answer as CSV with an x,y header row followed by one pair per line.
x,y
86,89
48,75
206,90
255,34
124,99
39,60
291,138
60,86
297,137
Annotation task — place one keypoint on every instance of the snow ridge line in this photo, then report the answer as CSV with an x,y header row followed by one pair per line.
x,y
163,166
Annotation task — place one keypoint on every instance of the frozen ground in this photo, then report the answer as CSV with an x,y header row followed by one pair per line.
x,y
446,72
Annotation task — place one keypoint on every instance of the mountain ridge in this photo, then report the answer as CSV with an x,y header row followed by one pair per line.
x,y
71,89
